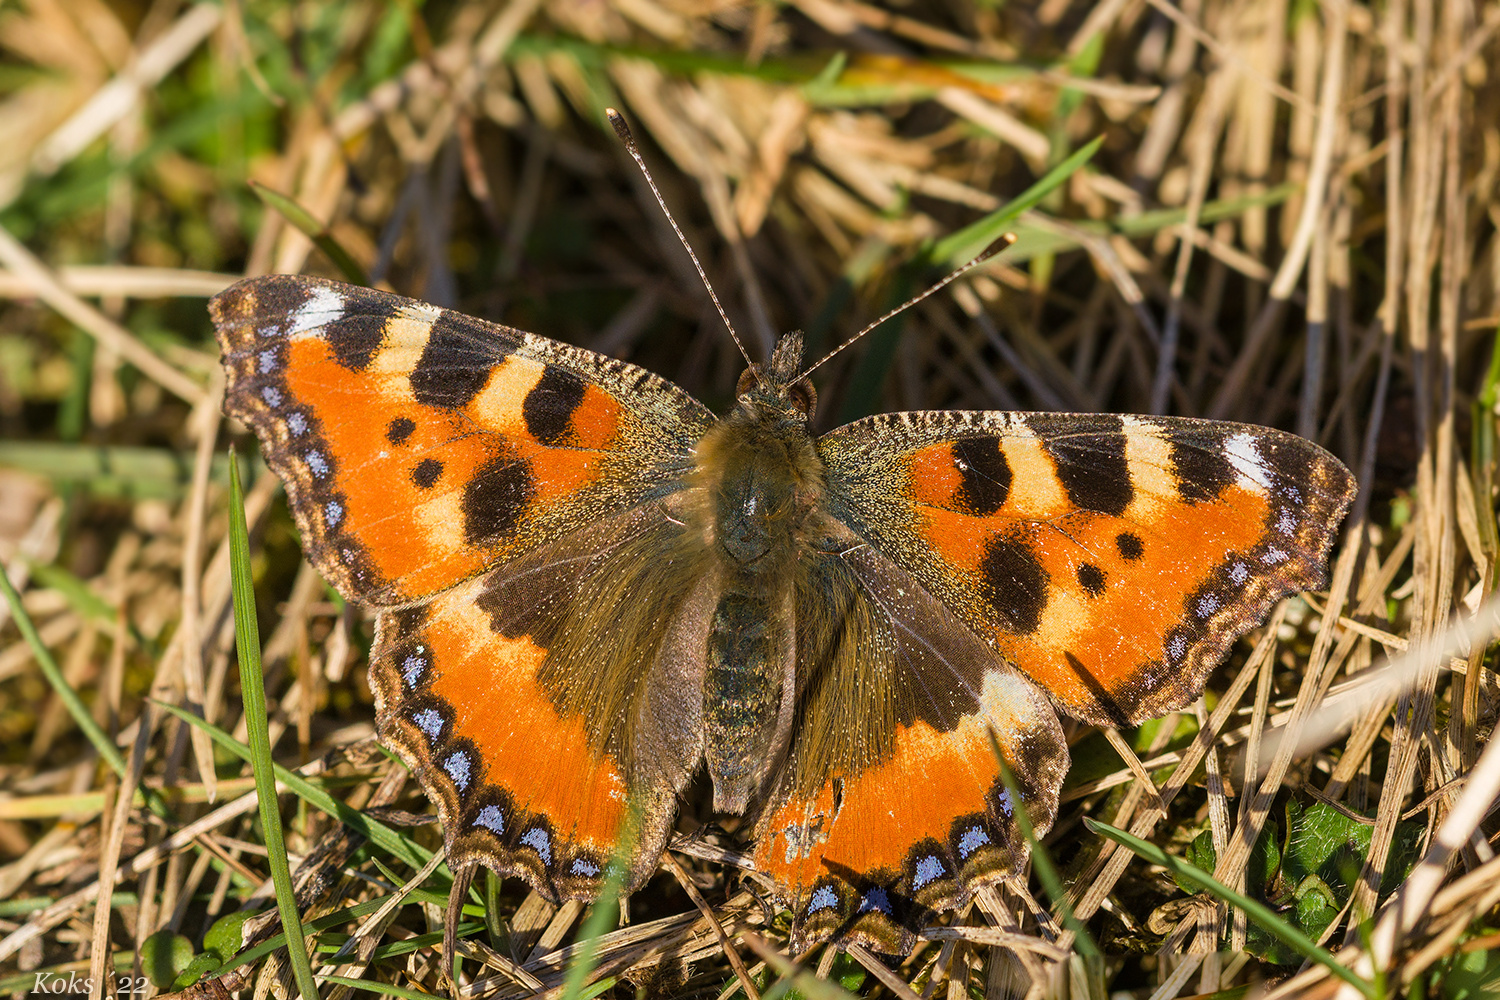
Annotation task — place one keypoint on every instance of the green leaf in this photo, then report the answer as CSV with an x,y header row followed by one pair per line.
x,y
163,956
1265,858
201,965
1473,975
227,934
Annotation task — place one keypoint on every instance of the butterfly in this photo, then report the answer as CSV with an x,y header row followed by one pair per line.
x,y
588,587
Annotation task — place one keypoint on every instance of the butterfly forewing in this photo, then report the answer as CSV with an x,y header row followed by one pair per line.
x,y
420,446
1111,558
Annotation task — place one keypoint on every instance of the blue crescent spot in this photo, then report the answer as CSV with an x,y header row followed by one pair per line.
x,y
333,514
412,669
1239,573
974,837
823,898
928,868
536,838
317,463
271,395
430,721
491,819
1007,804
296,424
1207,605
267,361
875,899
457,767
583,866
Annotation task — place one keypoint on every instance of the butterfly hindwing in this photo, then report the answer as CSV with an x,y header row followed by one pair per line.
x,y
523,699
419,445
892,805
1112,558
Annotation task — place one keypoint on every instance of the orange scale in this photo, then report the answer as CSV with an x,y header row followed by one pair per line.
x,y
930,780
957,538
541,759
935,478
596,420
561,473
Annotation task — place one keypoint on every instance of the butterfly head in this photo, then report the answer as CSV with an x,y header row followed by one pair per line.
x,y
775,385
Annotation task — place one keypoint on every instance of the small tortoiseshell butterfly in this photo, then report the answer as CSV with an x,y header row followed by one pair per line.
x,y
587,587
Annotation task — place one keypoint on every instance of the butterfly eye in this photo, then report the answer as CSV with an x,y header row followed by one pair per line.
x,y
803,396
749,380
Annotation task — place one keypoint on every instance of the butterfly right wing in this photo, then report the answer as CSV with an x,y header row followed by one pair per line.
x,y
539,702
891,805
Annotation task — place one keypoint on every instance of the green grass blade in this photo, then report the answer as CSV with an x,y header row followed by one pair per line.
x,y
963,246
605,910
370,985
308,224
1046,871
253,695
1254,909
74,704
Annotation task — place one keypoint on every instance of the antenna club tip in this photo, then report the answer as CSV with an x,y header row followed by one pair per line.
x,y
618,123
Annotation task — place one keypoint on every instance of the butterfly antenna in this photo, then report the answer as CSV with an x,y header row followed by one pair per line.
x,y
1000,244
617,121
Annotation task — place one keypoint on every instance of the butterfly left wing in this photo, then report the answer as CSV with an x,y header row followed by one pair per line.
x,y
1112,558
420,446
538,701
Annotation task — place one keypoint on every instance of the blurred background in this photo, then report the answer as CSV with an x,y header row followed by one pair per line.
x,y
1290,219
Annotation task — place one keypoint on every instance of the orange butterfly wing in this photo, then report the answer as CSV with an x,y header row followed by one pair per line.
x,y
419,445
473,482
891,805
1110,559
1113,559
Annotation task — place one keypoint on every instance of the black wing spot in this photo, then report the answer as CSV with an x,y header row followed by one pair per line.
x,y
455,364
1203,471
497,497
1090,462
1015,583
549,406
985,476
399,430
355,337
1129,545
426,472
1091,578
